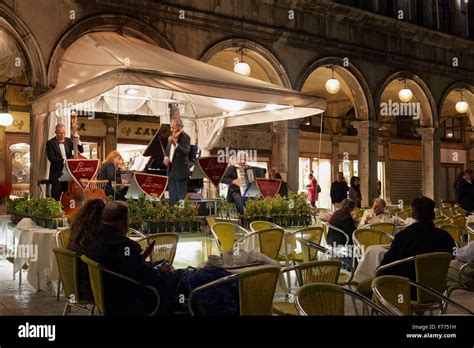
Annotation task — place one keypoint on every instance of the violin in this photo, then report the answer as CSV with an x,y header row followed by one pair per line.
x,y
175,136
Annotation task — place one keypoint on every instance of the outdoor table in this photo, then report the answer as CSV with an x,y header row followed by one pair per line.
x,y
369,262
35,248
43,270
261,261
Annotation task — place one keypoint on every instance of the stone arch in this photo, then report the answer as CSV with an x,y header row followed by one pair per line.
x,y
258,55
35,67
468,97
361,95
106,22
420,90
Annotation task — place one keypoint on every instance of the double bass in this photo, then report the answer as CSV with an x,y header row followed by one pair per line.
x,y
76,195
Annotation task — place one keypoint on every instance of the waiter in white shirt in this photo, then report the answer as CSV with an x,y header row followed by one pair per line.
x,y
58,149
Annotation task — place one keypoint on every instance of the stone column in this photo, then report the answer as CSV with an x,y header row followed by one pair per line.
x,y
367,134
431,162
288,152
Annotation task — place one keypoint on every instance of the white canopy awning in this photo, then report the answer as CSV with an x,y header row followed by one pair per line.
x,y
97,63
98,68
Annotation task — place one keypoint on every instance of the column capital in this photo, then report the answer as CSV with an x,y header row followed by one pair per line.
x,y
366,125
429,133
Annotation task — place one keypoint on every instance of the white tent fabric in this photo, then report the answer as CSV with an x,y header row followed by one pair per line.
x,y
98,62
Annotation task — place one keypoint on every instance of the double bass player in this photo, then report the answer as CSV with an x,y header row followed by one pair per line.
x,y
59,149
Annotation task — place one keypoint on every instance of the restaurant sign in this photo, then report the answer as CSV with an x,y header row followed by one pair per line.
x,y
268,187
212,167
149,184
21,123
80,169
137,130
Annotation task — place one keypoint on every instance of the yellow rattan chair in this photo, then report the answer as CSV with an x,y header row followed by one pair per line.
x,y
386,227
465,279
62,237
307,273
365,237
328,299
440,221
345,277
62,241
447,212
459,219
270,241
256,290
68,267
165,246
96,272
313,234
402,215
226,233
431,270
393,294
261,225
133,233
456,232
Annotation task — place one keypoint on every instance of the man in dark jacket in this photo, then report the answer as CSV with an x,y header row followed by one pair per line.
x,y
177,161
58,149
112,249
339,190
420,237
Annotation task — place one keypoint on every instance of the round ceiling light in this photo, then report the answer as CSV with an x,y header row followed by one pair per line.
x,y
405,95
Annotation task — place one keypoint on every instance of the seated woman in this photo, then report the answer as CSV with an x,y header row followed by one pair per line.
x,y
343,220
108,172
83,229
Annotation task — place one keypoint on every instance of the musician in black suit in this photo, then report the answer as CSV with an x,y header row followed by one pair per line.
x,y
231,178
177,161
58,149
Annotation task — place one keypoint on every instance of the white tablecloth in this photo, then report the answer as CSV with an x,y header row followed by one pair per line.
x,y
369,262
34,247
43,271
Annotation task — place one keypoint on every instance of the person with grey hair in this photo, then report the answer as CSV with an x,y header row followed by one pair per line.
x,y
59,149
177,161
234,180
376,214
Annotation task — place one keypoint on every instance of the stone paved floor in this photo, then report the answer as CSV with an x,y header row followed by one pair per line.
x,y
25,300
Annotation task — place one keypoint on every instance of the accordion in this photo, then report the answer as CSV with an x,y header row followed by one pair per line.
x,y
247,175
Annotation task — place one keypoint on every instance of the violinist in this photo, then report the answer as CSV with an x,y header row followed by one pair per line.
x,y
58,149
177,161
108,172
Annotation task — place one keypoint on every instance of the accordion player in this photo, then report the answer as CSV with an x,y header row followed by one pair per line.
x,y
240,178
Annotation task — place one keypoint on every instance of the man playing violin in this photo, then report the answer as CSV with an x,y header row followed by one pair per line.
x,y
58,149
177,161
